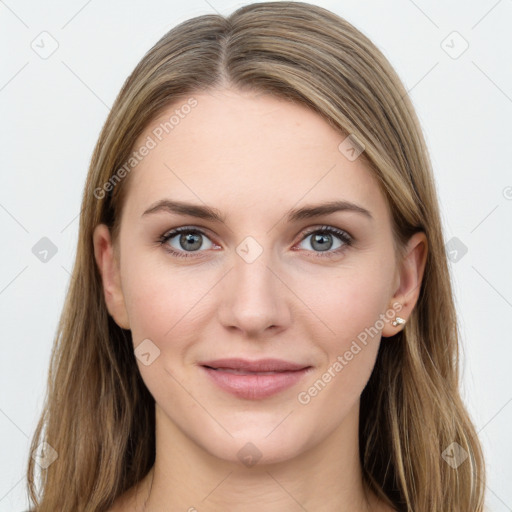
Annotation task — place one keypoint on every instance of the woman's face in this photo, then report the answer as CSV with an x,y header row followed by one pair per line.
x,y
266,283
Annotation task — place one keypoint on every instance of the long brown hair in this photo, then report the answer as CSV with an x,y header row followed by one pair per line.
x,y
98,415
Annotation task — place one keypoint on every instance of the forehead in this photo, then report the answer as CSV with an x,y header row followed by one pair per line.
x,y
247,152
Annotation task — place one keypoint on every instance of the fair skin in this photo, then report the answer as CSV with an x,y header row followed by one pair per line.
x,y
253,158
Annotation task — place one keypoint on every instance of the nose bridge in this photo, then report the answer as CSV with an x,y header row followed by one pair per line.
x,y
252,297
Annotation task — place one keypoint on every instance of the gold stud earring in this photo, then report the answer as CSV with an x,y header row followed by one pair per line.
x,y
398,321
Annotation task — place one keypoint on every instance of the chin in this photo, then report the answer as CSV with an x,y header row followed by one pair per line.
x,y
255,447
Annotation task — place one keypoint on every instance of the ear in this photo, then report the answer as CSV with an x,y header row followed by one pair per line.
x,y
408,281
109,268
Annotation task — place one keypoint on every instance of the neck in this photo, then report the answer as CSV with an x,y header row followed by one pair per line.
x,y
326,476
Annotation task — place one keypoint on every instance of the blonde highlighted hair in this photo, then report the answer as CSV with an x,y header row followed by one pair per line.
x,y
98,414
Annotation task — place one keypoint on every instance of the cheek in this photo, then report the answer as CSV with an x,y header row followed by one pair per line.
x,y
163,302
345,304
347,328
163,306
350,307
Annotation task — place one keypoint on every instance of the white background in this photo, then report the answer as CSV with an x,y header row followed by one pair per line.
x,y
52,113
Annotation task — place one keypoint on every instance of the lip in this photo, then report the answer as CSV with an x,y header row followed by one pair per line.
x,y
254,380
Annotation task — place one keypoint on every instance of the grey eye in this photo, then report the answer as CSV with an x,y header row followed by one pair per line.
x,y
322,241
188,241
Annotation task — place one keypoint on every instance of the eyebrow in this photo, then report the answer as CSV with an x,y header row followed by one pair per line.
x,y
212,214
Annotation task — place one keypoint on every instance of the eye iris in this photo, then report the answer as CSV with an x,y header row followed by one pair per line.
x,y
323,239
193,238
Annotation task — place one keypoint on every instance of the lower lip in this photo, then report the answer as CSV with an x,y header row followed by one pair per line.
x,y
254,386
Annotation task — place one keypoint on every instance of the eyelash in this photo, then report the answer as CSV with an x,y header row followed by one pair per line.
x,y
342,235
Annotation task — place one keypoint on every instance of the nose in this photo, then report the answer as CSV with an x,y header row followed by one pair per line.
x,y
254,299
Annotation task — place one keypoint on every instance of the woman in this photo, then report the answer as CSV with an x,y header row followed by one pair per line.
x,y
260,315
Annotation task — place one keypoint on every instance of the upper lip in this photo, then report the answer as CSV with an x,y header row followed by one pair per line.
x,y
261,365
